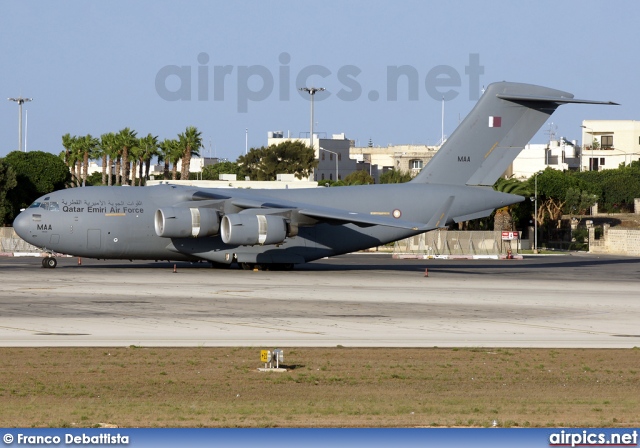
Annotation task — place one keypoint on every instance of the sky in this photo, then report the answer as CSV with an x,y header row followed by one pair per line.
x,y
233,69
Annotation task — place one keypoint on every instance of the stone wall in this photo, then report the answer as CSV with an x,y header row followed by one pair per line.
x,y
615,241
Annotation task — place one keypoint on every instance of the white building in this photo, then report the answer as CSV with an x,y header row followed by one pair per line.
x,y
405,158
558,154
334,161
609,143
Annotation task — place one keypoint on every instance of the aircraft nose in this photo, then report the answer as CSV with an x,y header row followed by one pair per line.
x,y
21,225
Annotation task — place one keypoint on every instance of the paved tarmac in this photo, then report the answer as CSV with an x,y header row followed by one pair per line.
x,y
577,300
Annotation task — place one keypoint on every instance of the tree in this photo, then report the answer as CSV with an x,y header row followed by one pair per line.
x,y
87,147
212,172
291,157
72,156
503,218
552,193
614,188
325,183
169,153
37,173
190,142
109,145
7,182
395,177
100,153
135,154
67,141
578,201
359,177
149,149
126,138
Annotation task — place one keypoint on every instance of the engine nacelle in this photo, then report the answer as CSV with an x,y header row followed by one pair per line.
x,y
184,222
248,230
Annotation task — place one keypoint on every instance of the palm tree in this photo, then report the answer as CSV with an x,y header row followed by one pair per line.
x,y
110,148
167,148
149,146
67,141
175,155
503,219
135,153
88,146
71,154
75,159
101,154
126,139
190,143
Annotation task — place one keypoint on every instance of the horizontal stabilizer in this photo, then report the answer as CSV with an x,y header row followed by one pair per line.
x,y
552,99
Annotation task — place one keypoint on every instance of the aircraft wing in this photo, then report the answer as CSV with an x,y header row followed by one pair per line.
x,y
361,219
316,212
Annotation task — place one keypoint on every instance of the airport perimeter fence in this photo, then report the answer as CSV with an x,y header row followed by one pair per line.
x,y
430,244
457,243
10,242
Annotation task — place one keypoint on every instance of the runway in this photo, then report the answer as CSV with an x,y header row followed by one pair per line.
x,y
359,300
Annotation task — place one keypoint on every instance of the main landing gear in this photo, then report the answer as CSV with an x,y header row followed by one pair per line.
x,y
266,266
49,262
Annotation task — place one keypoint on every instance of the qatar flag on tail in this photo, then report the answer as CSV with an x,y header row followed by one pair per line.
x,y
495,122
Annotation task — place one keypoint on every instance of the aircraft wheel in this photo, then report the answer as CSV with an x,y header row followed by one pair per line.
x,y
44,262
51,262
246,266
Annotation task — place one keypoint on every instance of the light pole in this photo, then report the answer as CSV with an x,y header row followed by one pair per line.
x,y
20,102
311,91
535,215
246,140
592,138
335,154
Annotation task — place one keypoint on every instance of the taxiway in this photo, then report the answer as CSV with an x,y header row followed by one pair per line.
x,y
361,300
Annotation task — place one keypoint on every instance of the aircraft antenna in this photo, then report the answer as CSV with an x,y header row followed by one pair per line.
x,y
551,132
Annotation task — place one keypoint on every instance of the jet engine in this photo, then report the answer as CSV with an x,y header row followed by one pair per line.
x,y
184,222
248,230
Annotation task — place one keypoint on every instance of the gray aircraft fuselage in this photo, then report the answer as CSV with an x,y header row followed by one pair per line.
x,y
118,222
290,226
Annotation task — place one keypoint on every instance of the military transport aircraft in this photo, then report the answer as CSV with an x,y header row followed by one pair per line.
x,y
280,228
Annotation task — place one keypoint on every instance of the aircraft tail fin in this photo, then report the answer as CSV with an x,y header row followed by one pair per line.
x,y
487,141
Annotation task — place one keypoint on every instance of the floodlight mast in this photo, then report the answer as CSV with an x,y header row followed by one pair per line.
x,y
20,102
311,91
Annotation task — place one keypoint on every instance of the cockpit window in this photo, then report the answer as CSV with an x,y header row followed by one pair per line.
x,y
51,206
